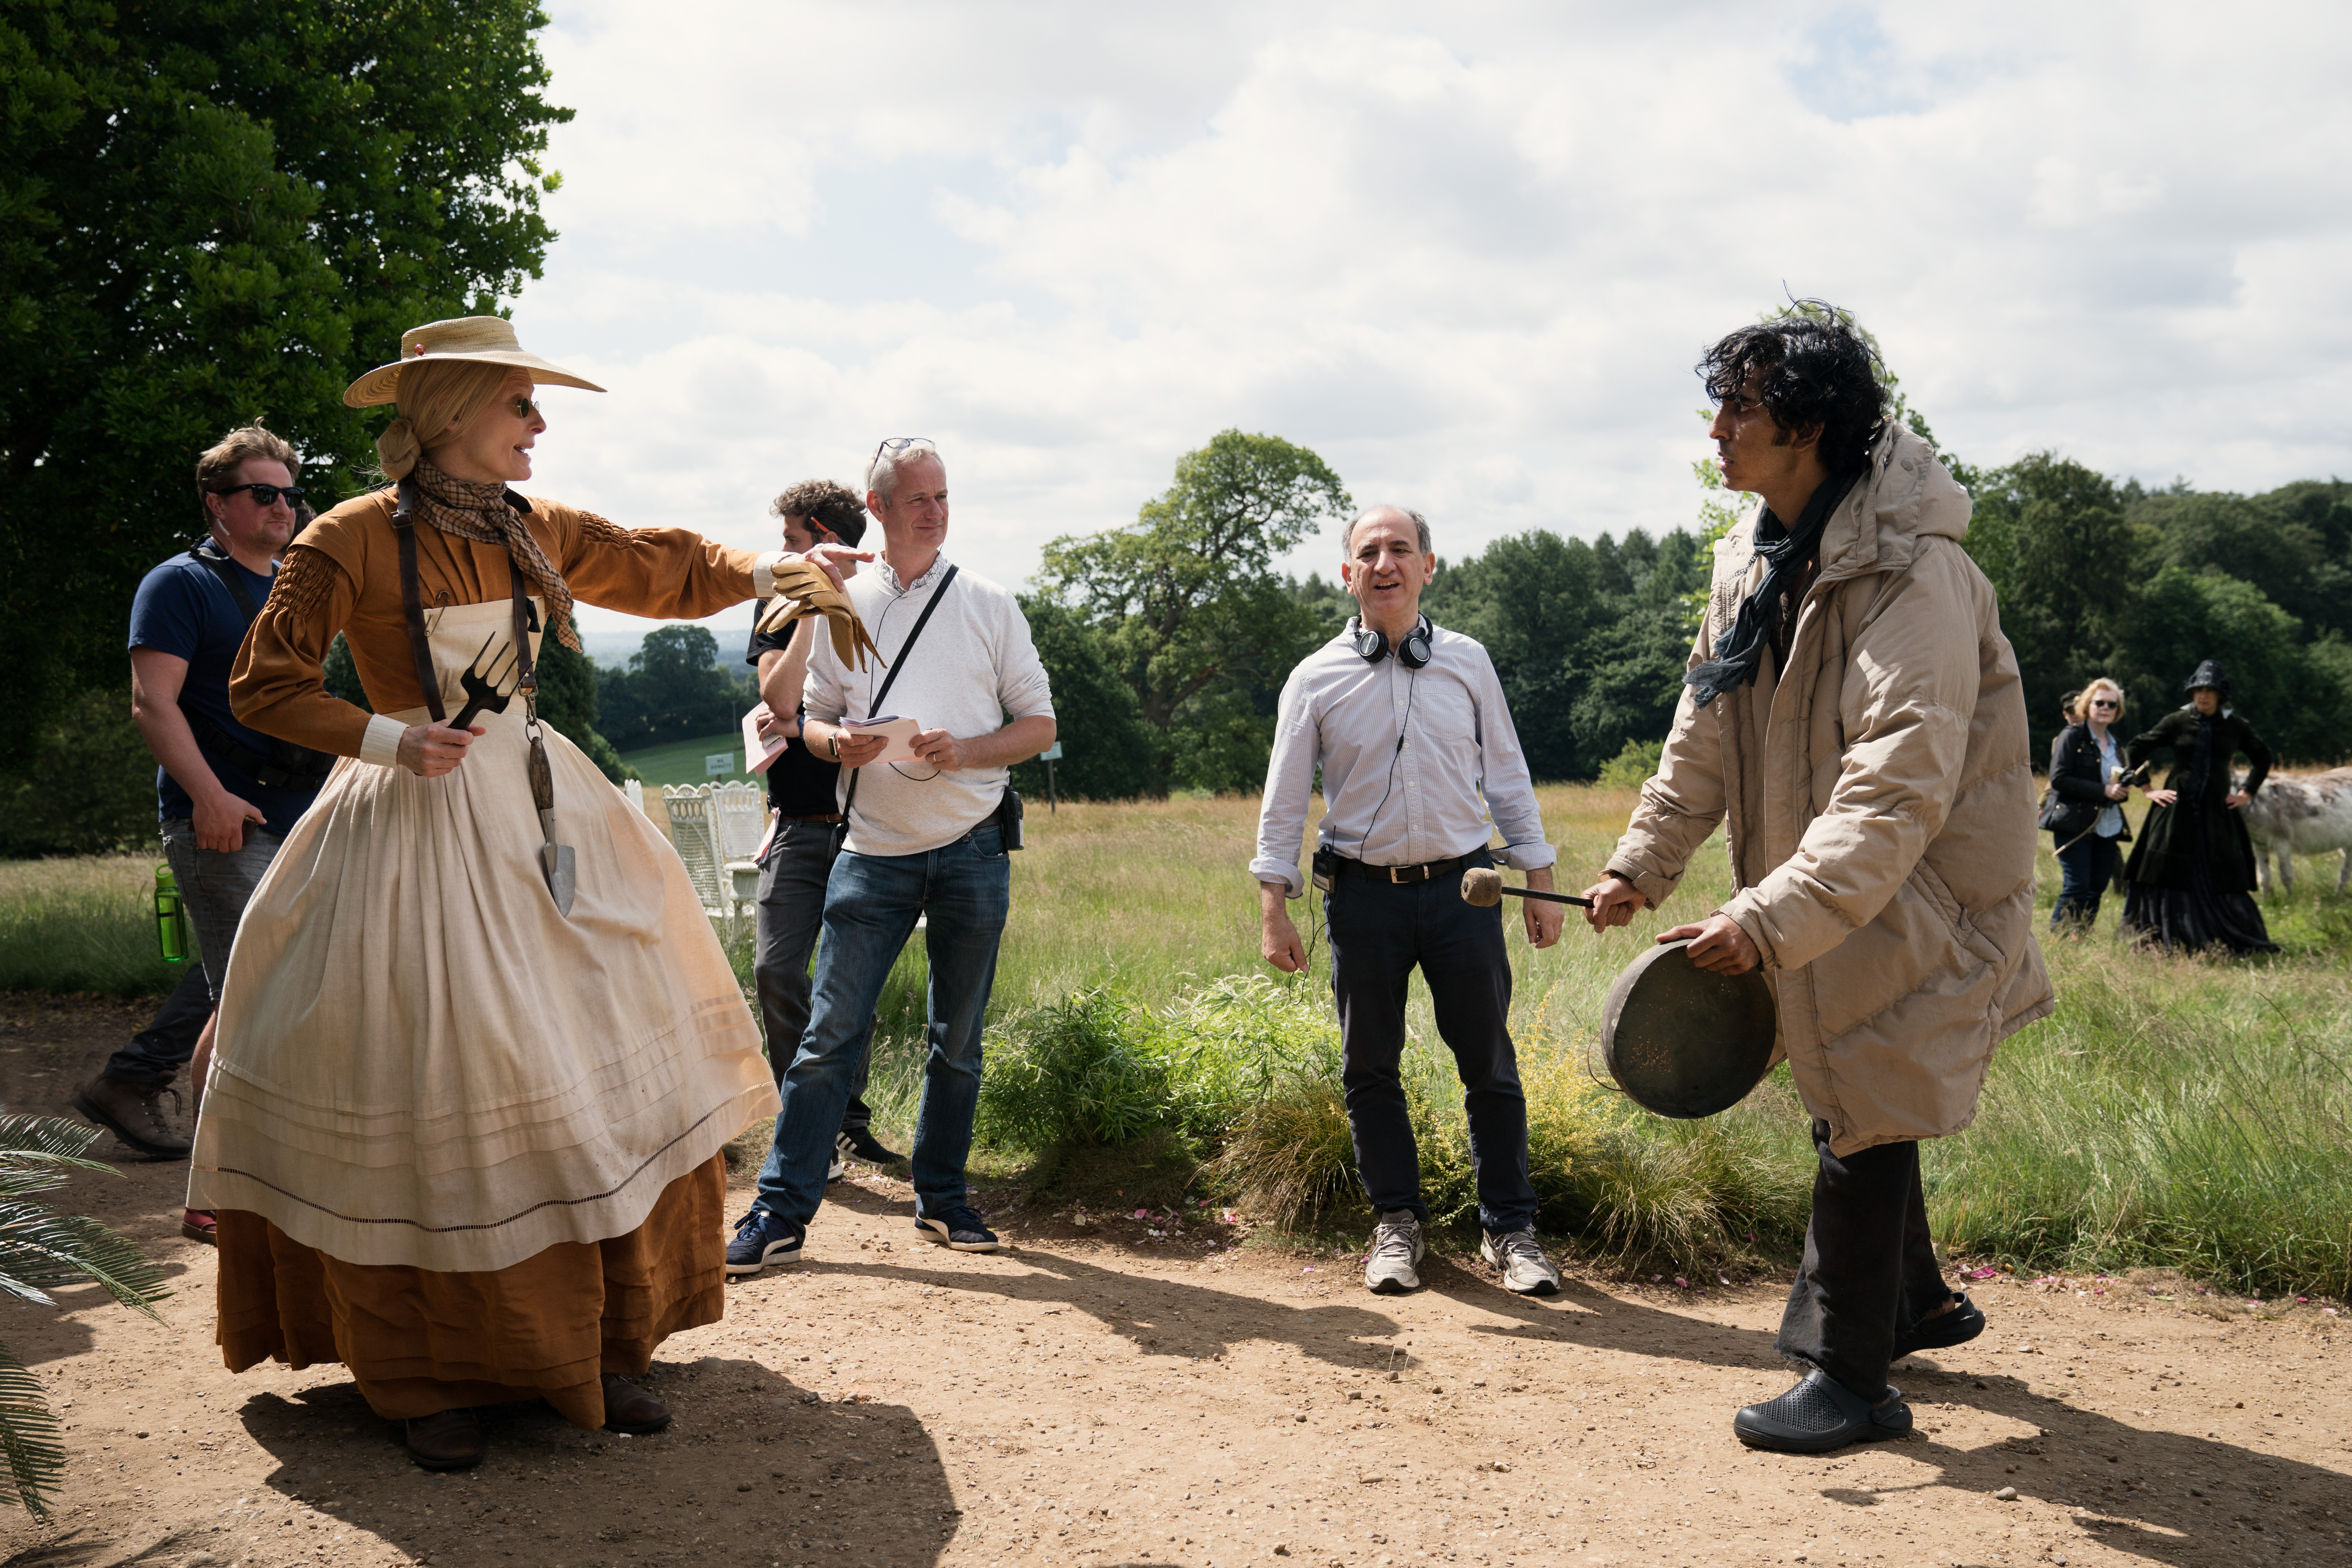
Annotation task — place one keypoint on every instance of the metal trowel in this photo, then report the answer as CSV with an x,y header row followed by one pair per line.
x,y
556,862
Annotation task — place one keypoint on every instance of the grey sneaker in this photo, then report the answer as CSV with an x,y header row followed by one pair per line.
x,y
1525,1270
1396,1249
840,1166
134,1115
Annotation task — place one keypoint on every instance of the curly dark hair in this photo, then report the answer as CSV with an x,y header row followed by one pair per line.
x,y
1815,370
831,507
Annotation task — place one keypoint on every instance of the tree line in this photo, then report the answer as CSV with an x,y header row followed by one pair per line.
x,y
1169,639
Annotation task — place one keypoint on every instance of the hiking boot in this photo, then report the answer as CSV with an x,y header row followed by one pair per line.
x,y
628,1408
1964,1322
859,1143
761,1238
1821,1414
1396,1249
1525,1270
445,1440
133,1114
959,1228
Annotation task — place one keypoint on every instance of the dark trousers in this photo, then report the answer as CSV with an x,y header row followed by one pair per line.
x,y
785,922
1378,932
2086,868
157,1053
1869,1267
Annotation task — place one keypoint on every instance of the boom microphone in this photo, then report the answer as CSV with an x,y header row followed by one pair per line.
x,y
1483,886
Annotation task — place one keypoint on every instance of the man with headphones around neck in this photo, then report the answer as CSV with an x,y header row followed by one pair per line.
x,y
1420,765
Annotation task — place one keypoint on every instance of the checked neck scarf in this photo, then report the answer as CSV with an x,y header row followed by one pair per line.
x,y
1786,552
482,512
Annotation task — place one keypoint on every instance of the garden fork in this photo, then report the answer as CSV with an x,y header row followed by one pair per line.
x,y
482,685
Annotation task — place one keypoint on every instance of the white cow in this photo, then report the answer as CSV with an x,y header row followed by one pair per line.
x,y
2308,814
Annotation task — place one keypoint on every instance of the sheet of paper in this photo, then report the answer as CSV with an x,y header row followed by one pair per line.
x,y
900,732
759,750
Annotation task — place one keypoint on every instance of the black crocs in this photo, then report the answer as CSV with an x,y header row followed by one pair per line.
x,y
1821,1414
1942,1331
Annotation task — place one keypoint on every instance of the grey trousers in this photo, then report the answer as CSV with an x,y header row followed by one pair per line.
x,y
790,914
215,885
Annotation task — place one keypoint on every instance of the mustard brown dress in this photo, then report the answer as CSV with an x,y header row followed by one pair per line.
x,y
460,1141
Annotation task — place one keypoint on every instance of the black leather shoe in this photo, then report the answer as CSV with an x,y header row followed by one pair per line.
x,y
445,1440
1821,1414
628,1408
1942,1331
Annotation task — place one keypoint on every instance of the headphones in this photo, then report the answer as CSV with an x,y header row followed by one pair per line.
x,y
1373,647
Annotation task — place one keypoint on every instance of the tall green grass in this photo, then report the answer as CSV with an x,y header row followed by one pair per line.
x,y
2181,1111
83,924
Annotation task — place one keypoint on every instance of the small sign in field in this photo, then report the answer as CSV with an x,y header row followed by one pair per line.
x,y
718,765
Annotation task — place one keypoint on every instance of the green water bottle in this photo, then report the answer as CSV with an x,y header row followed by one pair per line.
x,y
171,917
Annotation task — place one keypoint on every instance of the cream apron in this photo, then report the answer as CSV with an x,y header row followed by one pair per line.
x,y
420,1061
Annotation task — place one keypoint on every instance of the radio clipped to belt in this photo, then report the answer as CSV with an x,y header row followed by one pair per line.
x,y
557,862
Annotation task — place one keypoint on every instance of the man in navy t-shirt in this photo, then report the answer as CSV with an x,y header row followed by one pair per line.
x,y
225,795
801,792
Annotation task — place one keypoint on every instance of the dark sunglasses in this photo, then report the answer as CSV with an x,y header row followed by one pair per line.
x,y
524,408
2105,702
267,495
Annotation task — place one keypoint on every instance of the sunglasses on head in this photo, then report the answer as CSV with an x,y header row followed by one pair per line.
x,y
267,495
906,443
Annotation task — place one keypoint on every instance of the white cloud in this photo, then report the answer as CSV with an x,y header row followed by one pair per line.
x,y
1469,257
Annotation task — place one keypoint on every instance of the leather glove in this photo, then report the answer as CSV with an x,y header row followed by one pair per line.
x,y
803,589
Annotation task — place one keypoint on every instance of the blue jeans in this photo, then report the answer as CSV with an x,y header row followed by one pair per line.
x,y
2084,871
871,904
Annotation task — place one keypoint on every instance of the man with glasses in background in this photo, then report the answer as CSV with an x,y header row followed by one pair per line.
x,y
802,793
225,795
925,833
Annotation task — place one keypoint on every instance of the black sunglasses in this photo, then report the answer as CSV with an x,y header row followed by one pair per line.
x,y
524,408
267,495
2105,702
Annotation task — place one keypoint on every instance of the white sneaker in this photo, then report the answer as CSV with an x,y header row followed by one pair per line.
x,y
1396,1247
1525,1270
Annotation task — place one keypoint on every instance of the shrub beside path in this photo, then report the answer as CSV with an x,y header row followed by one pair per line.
x,y
1111,1398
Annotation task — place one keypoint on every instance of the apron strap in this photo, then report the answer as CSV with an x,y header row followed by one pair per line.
x,y
411,601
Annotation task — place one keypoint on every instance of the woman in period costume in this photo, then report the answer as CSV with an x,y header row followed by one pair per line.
x,y
479,1050
2191,875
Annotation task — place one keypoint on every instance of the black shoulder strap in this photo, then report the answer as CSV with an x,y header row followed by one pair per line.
x,y
892,677
412,600
209,555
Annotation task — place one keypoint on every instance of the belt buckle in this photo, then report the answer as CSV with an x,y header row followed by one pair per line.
x,y
1396,873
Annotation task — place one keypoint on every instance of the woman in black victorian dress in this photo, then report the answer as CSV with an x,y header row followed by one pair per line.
x,y
2191,874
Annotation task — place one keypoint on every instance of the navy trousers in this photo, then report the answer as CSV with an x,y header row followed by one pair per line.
x,y
1380,933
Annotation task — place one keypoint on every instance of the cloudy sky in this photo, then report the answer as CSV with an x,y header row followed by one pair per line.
x,y
1467,254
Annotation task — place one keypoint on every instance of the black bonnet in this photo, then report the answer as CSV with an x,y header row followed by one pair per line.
x,y
2209,677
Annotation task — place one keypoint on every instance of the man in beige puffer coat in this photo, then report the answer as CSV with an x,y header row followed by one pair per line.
x,y
1854,716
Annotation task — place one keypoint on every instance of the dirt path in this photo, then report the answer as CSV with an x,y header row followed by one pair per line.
x,y
1114,1398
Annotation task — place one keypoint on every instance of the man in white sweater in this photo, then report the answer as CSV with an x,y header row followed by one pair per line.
x,y
925,836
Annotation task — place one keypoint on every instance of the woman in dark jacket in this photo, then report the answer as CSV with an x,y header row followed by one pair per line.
x,y
2193,872
2088,824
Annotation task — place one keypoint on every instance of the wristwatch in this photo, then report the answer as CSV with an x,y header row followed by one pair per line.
x,y
833,744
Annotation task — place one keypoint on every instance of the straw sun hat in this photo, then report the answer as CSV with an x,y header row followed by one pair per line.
x,y
481,340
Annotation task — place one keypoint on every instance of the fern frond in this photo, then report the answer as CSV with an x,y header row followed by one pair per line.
x,y
52,1135
30,1441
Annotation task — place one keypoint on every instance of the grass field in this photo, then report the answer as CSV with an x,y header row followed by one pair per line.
x,y
2187,1112
681,761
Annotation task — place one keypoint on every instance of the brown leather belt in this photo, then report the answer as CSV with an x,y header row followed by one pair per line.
x,y
831,817
1427,871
